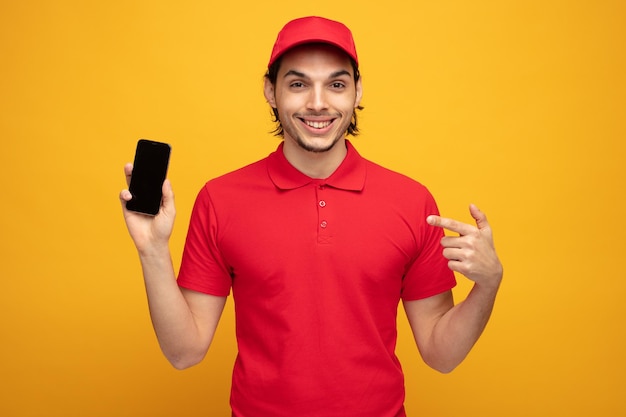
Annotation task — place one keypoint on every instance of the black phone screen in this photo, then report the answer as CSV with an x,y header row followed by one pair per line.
x,y
149,172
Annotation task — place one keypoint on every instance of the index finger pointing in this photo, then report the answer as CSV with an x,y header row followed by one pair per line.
x,y
450,224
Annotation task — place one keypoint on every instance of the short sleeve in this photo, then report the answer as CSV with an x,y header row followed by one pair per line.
x,y
203,267
428,274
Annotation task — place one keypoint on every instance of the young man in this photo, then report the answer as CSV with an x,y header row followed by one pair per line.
x,y
318,246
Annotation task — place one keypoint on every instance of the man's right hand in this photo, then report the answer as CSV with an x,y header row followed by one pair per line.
x,y
184,320
149,232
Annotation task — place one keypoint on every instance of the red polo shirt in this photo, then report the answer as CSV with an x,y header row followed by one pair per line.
x,y
317,269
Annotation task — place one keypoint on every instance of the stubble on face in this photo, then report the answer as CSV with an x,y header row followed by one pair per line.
x,y
310,147
307,67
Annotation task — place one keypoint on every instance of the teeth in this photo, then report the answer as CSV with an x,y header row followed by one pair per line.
x,y
317,125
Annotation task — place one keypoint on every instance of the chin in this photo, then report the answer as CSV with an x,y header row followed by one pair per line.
x,y
317,146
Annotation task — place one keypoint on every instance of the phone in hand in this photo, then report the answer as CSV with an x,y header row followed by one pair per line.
x,y
149,172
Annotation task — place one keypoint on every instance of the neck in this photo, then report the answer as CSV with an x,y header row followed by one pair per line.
x,y
317,165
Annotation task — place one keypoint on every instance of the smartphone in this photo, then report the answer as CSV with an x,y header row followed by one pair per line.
x,y
149,172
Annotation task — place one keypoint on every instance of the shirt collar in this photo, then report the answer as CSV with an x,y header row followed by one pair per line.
x,y
350,175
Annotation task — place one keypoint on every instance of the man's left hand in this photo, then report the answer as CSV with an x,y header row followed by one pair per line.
x,y
472,253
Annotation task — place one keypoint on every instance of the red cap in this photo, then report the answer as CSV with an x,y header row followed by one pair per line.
x,y
313,29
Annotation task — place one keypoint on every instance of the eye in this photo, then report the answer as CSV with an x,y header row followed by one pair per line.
x,y
337,85
296,84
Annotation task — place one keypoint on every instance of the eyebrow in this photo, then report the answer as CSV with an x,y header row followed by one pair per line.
x,y
303,75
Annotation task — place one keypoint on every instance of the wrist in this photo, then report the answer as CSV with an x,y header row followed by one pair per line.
x,y
157,250
489,285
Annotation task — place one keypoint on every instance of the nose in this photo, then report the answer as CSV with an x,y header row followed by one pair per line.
x,y
317,100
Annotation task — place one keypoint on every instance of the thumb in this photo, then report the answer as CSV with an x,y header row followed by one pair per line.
x,y
167,190
168,197
479,216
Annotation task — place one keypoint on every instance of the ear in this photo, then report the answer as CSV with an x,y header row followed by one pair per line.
x,y
359,92
268,90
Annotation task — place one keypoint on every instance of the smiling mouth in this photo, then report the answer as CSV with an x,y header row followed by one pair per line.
x,y
318,124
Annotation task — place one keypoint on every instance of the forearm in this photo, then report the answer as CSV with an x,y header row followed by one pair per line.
x,y
172,319
449,332
456,331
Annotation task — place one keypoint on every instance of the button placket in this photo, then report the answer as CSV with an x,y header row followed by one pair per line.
x,y
323,231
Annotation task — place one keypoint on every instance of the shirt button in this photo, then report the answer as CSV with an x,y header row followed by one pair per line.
x,y
323,224
322,203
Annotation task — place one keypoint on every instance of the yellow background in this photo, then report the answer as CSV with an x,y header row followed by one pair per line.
x,y
517,106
